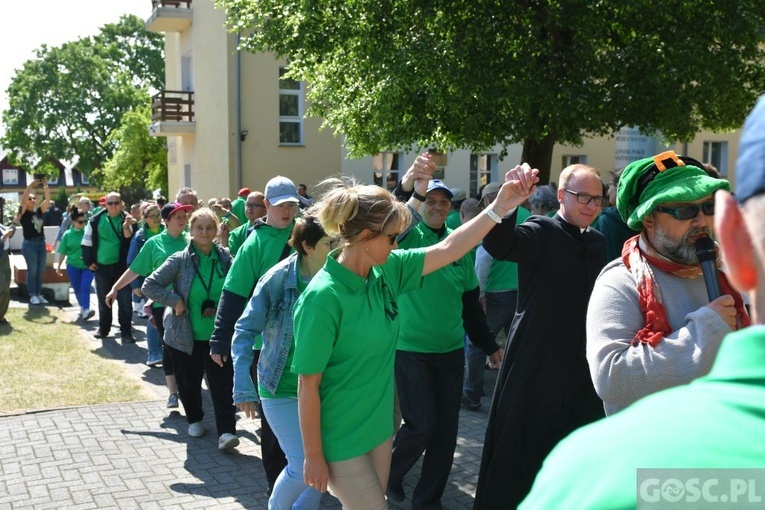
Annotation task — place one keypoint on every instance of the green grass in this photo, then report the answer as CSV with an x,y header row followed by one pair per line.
x,y
47,363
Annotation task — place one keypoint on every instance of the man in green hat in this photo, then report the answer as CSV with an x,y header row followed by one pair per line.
x,y
650,324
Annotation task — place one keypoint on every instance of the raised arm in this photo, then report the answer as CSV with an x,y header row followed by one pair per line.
x,y
520,183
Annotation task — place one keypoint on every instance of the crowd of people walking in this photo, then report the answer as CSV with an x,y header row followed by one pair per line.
x,y
355,324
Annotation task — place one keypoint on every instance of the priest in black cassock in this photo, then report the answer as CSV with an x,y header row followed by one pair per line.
x,y
544,390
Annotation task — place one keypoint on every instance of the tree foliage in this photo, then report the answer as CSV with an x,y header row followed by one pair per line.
x,y
390,74
140,161
65,103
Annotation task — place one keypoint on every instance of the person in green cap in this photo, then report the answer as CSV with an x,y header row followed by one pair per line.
x,y
712,423
650,324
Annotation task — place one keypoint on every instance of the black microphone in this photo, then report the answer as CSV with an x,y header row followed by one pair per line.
x,y
707,255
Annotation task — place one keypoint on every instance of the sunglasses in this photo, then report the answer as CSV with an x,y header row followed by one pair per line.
x,y
584,198
391,237
688,212
113,203
254,206
154,216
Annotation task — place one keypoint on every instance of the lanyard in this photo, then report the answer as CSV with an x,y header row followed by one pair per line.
x,y
208,286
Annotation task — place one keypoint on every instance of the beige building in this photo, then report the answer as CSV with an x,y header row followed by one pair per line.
x,y
231,122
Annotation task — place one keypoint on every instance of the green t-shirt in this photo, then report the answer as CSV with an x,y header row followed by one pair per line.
x,y
155,252
237,207
71,246
346,328
713,422
453,219
431,317
288,382
260,251
109,239
236,238
207,284
503,274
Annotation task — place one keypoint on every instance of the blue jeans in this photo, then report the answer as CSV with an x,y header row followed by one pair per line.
x,y
80,279
429,386
289,489
34,254
153,342
500,310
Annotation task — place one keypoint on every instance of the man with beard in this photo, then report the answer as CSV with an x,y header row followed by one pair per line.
x,y
650,324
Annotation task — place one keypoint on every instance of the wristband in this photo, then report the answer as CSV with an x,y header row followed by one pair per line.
x,y
496,218
417,196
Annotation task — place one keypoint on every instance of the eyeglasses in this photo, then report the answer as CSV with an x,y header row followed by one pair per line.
x,y
113,203
585,198
391,237
253,206
688,212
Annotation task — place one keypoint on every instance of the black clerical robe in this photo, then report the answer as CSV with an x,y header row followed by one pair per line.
x,y
544,390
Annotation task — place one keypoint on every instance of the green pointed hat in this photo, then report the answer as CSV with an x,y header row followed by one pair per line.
x,y
663,178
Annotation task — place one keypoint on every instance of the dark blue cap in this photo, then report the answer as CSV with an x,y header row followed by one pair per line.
x,y
439,184
750,168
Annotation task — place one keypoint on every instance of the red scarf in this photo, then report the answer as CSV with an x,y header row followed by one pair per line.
x,y
656,327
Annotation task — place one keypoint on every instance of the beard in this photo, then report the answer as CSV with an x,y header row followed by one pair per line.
x,y
680,251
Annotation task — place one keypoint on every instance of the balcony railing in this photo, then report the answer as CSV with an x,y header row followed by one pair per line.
x,y
172,106
171,3
170,16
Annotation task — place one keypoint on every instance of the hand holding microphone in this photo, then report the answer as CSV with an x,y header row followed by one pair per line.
x,y
723,305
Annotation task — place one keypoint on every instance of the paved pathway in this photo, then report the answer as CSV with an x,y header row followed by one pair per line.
x,y
138,455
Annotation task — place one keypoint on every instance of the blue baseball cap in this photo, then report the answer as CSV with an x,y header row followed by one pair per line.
x,y
750,167
439,184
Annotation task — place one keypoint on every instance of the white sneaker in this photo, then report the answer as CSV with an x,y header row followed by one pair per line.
x,y
196,429
88,314
42,300
34,300
227,441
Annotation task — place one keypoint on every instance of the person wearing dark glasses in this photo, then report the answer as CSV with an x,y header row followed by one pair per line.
x,y
33,247
650,322
105,246
80,277
711,422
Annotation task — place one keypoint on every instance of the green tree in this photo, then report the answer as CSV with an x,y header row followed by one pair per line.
x,y
140,162
390,74
61,199
65,103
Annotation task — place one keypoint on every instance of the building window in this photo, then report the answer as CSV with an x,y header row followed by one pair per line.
x,y
10,177
290,110
386,169
482,166
716,153
579,159
84,179
440,159
53,180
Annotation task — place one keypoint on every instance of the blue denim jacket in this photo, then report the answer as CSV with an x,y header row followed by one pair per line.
x,y
269,313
